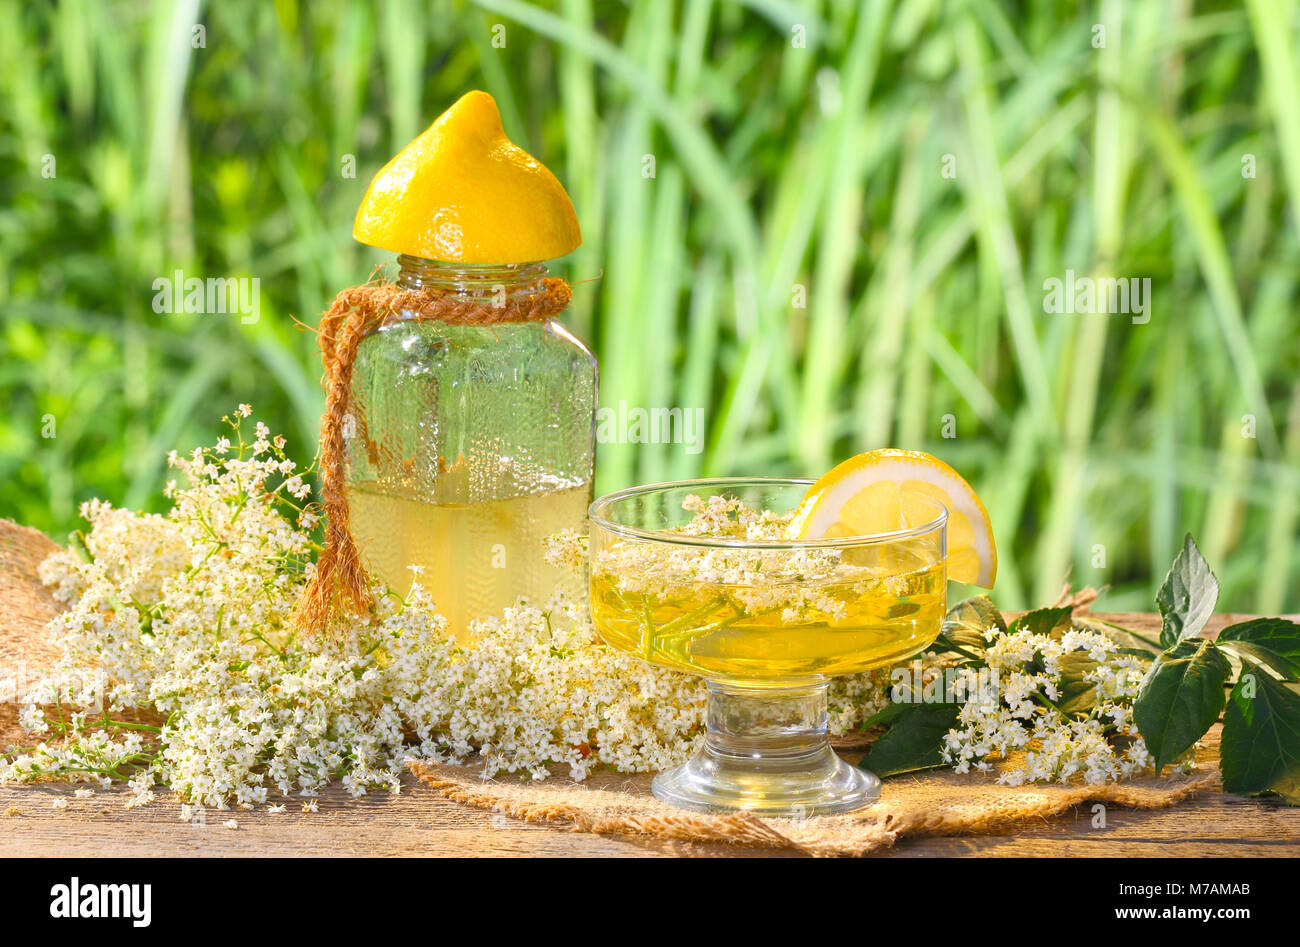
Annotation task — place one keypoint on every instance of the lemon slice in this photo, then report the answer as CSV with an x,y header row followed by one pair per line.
x,y
462,192
886,490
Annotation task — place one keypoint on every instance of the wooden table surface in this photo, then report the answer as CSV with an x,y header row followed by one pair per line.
x,y
419,822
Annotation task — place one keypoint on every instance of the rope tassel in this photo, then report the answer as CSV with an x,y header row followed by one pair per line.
x,y
340,584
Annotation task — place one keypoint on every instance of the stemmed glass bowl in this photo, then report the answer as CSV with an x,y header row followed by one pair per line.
x,y
767,622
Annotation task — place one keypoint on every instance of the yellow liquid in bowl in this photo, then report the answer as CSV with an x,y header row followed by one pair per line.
x,y
849,622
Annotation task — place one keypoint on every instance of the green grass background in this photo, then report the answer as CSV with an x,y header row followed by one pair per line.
x,y
780,171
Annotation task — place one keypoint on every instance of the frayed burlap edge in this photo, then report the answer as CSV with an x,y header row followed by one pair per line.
x,y
937,804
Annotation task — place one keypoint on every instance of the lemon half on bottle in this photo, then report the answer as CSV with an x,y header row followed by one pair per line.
x,y
462,192
890,489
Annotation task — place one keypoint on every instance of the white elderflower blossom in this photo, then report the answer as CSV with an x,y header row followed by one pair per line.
x,y
178,665
1017,713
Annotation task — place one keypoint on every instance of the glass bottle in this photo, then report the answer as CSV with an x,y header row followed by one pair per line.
x,y
468,445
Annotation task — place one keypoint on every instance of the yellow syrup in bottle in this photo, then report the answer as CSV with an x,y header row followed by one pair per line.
x,y
477,558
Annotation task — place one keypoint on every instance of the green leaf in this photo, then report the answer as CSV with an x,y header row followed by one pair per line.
x,y
1261,739
1077,695
1053,622
914,738
1274,642
1186,600
1180,698
965,625
886,717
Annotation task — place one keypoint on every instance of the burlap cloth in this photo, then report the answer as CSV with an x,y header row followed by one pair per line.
x,y
25,608
936,802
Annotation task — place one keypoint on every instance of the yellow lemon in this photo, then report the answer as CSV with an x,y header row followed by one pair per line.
x,y
463,193
885,490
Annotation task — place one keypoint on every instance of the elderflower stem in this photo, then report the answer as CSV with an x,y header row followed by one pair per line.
x,y
125,725
949,645
648,631
702,611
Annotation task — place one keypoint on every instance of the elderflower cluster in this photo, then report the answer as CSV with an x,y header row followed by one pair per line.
x,y
179,665
1057,707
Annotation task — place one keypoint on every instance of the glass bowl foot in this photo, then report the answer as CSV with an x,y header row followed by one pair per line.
x,y
766,752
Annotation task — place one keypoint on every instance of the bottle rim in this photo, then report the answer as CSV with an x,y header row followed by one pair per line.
x,y
471,280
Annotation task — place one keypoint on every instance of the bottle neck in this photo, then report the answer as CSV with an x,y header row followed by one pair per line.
x,y
491,283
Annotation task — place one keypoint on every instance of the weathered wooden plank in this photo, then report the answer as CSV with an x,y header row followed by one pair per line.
x,y
1215,825
1083,848
417,822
